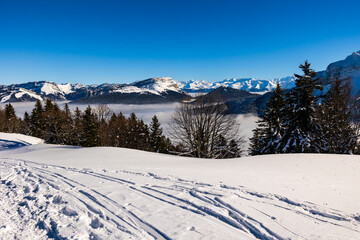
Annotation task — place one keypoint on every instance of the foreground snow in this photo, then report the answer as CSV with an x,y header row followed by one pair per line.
x,y
51,191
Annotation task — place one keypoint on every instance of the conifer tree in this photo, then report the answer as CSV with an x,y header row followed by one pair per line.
x,y
157,139
268,133
302,131
37,120
53,120
272,120
77,130
257,140
11,121
2,120
25,127
90,129
335,119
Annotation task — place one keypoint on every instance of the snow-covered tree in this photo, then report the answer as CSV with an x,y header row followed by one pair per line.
x,y
270,125
302,132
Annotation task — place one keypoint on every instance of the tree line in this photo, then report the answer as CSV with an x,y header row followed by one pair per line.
x,y
199,129
88,128
304,120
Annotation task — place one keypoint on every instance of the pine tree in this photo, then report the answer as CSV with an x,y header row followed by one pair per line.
x,y
270,125
257,140
37,120
157,139
53,121
302,132
273,117
90,129
77,130
2,120
11,121
25,126
66,121
335,119
138,134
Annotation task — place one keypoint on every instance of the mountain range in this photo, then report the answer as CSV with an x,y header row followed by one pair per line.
x,y
165,89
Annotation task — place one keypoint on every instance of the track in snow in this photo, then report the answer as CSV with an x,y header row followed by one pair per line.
x,y
51,201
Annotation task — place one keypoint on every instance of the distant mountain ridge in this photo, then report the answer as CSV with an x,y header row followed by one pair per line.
x,y
152,90
252,85
165,89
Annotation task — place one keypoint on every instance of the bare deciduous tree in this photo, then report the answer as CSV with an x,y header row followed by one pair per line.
x,y
103,112
201,128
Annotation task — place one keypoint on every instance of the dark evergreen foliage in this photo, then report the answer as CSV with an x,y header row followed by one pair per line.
x,y
335,115
90,129
307,122
158,141
267,135
302,133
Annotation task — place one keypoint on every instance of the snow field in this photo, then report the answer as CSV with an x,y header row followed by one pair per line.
x,y
60,192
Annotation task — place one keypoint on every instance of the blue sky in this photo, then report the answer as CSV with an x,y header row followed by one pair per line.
x,y
127,40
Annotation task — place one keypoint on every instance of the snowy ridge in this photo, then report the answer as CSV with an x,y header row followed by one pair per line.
x,y
112,193
349,68
252,85
151,85
19,93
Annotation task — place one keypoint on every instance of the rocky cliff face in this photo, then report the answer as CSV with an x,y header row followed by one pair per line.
x,y
349,68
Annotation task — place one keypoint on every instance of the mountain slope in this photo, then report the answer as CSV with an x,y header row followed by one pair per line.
x,y
153,90
349,68
149,91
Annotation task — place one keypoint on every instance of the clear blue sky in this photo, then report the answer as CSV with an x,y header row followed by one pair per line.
x,y
127,40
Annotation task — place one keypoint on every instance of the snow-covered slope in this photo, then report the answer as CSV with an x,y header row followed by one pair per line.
x,y
15,140
152,85
33,91
52,191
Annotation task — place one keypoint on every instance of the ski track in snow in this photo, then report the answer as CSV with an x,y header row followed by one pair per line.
x,y
54,202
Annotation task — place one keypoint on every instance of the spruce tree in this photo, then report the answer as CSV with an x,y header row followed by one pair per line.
x,y
270,129
335,119
37,120
11,121
77,130
90,129
302,132
272,118
157,139
25,127
257,142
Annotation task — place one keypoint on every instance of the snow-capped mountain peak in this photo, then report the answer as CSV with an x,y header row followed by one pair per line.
x,y
247,84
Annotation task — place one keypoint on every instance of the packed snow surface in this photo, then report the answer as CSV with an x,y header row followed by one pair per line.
x,y
63,192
